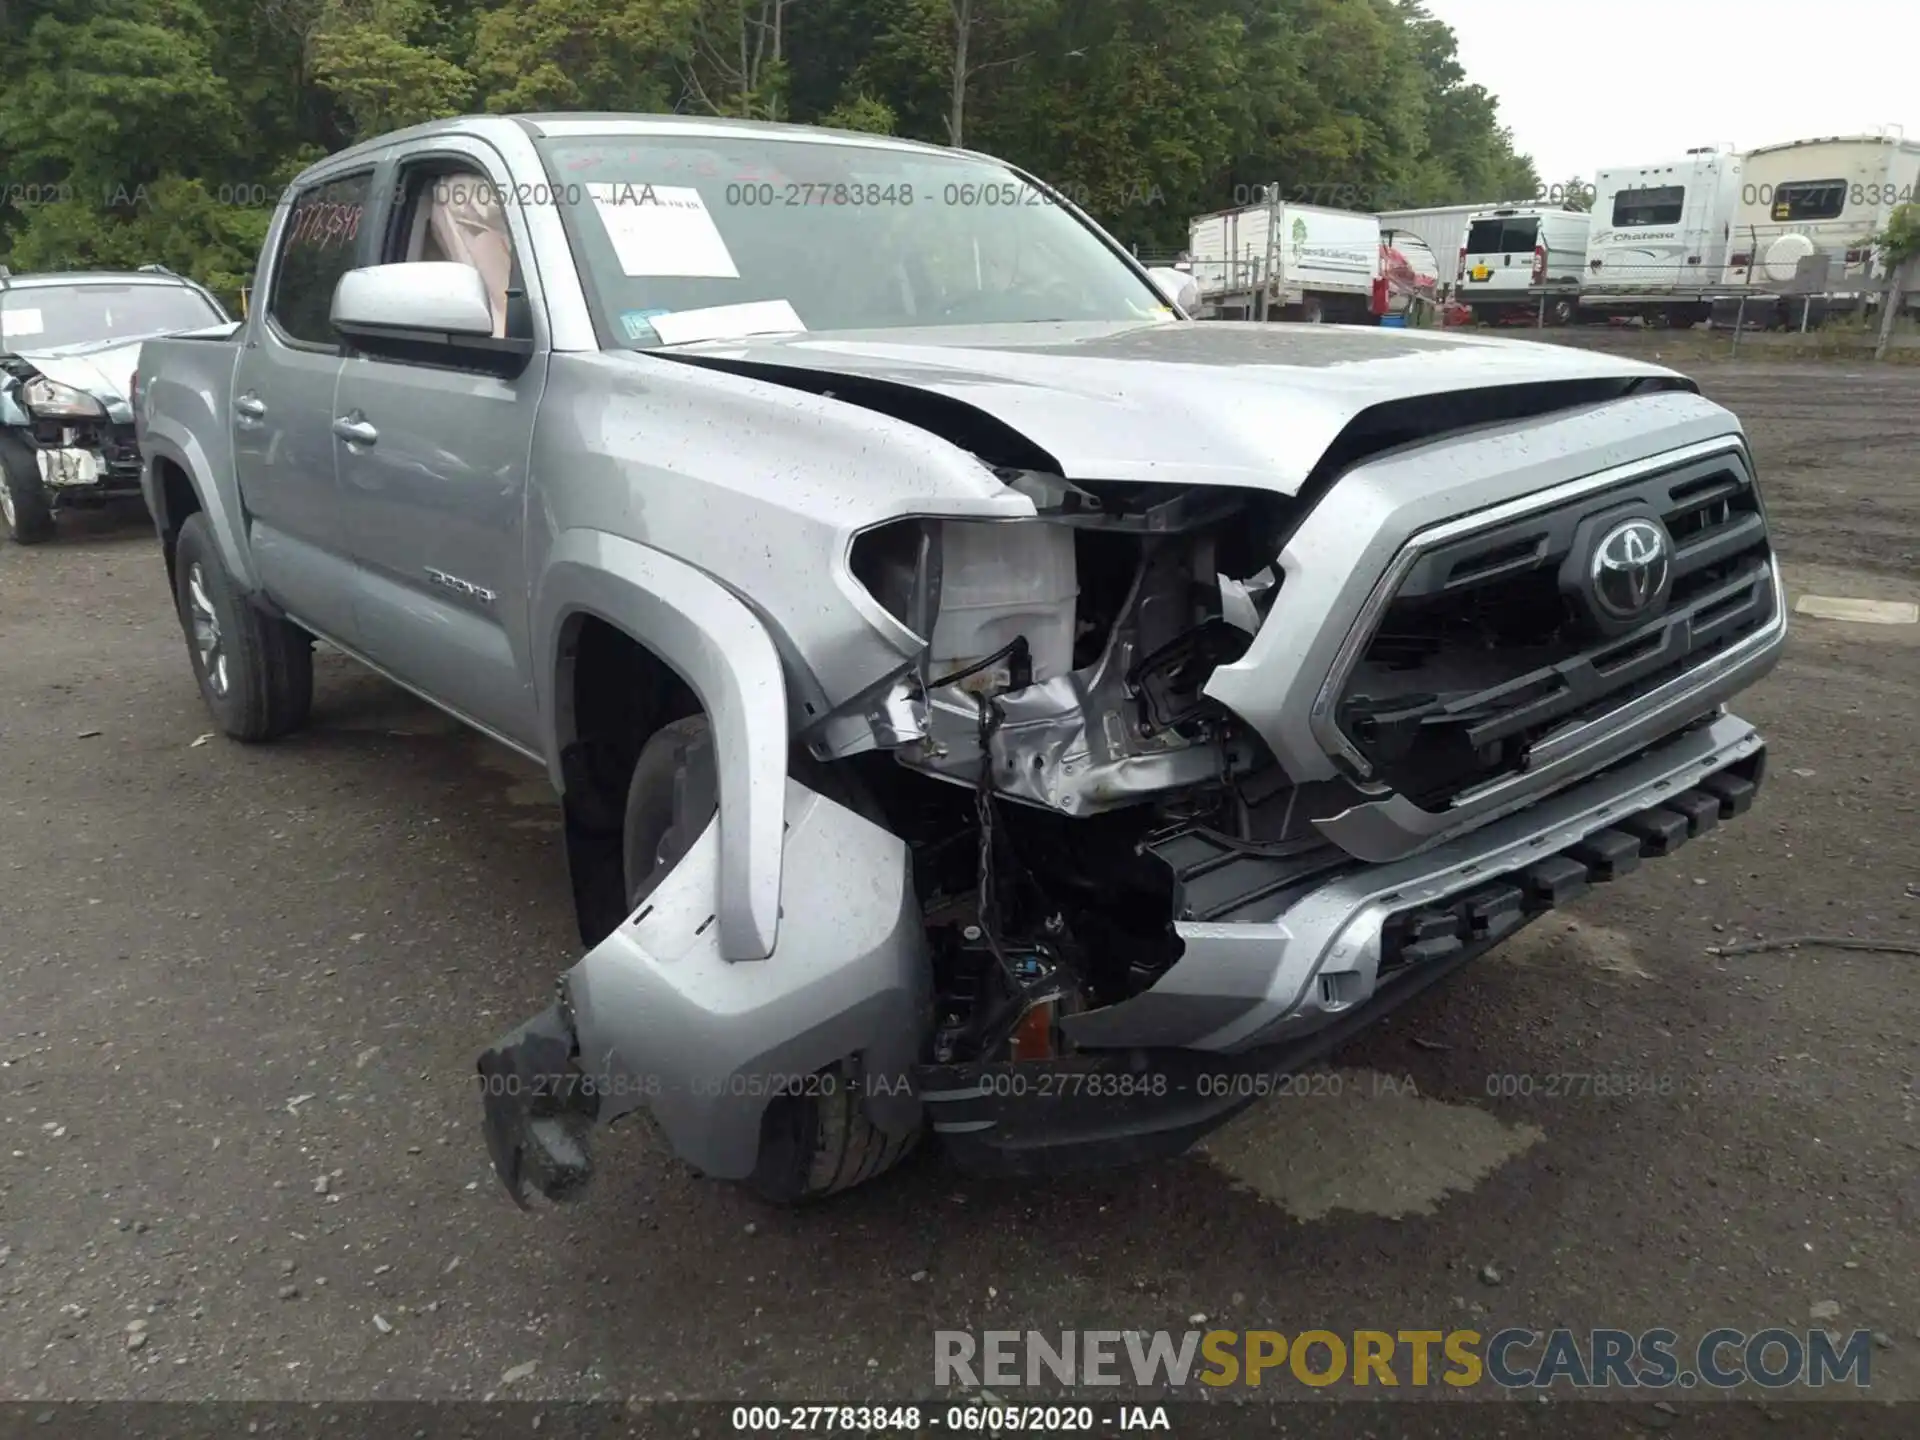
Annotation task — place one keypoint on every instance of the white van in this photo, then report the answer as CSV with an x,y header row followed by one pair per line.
x,y
1513,255
1660,234
1817,204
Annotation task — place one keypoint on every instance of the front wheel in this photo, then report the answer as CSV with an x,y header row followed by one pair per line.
x,y
811,1145
23,497
255,671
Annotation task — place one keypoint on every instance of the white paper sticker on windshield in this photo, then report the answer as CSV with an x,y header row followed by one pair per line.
x,y
662,230
21,322
728,322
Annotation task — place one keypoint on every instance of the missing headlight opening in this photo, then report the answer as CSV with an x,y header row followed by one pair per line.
x,y
1068,789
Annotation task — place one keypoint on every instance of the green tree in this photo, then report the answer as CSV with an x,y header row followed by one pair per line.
x,y
861,111
582,54
362,51
1467,155
115,92
161,128
179,223
1899,246
737,63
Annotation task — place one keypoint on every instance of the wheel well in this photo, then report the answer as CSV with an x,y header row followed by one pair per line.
x,y
178,500
611,693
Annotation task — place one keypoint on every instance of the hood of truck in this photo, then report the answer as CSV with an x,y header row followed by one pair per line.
x,y
1175,402
103,369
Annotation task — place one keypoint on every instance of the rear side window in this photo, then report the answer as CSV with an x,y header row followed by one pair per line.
x,y
1501,237
1650,205
1809,200
320,244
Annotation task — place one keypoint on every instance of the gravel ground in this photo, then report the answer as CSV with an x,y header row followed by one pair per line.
x,y
241,991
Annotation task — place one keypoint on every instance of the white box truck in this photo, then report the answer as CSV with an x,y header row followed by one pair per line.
x,y
1279,261
1660,236
1803,234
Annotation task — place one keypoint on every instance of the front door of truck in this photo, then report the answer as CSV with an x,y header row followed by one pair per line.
x,y
283,405
432,460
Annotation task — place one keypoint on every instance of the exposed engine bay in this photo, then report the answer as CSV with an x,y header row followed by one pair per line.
x,y
1068,789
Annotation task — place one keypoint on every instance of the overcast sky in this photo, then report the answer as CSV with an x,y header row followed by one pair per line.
x,y
1589,86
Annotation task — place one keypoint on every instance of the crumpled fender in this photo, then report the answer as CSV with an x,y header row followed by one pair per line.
x,y
725,655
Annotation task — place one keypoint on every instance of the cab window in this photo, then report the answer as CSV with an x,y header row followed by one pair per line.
x,y
320,243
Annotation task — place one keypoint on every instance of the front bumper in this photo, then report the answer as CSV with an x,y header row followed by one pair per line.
x,y
87,464
1172,1065
654,1017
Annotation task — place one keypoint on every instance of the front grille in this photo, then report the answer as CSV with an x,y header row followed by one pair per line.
x,y
1493,641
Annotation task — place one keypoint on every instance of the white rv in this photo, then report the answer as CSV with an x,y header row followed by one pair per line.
x,y
1809,209
1518,255
1661,234
1282,261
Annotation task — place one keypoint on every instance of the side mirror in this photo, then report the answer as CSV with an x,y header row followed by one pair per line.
x,y
430,311
1181,289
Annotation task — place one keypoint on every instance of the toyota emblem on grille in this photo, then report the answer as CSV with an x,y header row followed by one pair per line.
x,y
1631,565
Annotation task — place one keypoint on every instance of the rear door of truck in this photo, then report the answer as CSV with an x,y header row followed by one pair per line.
x,y
282,404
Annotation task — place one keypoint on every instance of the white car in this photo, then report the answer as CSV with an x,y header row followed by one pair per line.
x,y
69,343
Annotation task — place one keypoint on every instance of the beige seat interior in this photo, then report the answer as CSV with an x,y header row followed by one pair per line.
x,y
462,221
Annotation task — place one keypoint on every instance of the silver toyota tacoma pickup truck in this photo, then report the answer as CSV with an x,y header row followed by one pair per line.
x,y
983,701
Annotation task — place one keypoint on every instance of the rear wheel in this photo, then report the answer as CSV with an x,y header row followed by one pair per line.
x,y
811,1145
255,671
23,497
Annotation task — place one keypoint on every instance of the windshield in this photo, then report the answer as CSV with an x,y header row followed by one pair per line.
x,y
688,238
1500,237
47,317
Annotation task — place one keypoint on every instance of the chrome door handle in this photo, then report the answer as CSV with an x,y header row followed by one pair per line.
x,y
251,406
355,432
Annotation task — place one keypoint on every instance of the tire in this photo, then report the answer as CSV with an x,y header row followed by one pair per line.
x,y
812,1145
816,1145
255,671
23,498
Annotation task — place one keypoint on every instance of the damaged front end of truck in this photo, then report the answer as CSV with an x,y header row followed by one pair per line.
x,y
1186,784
